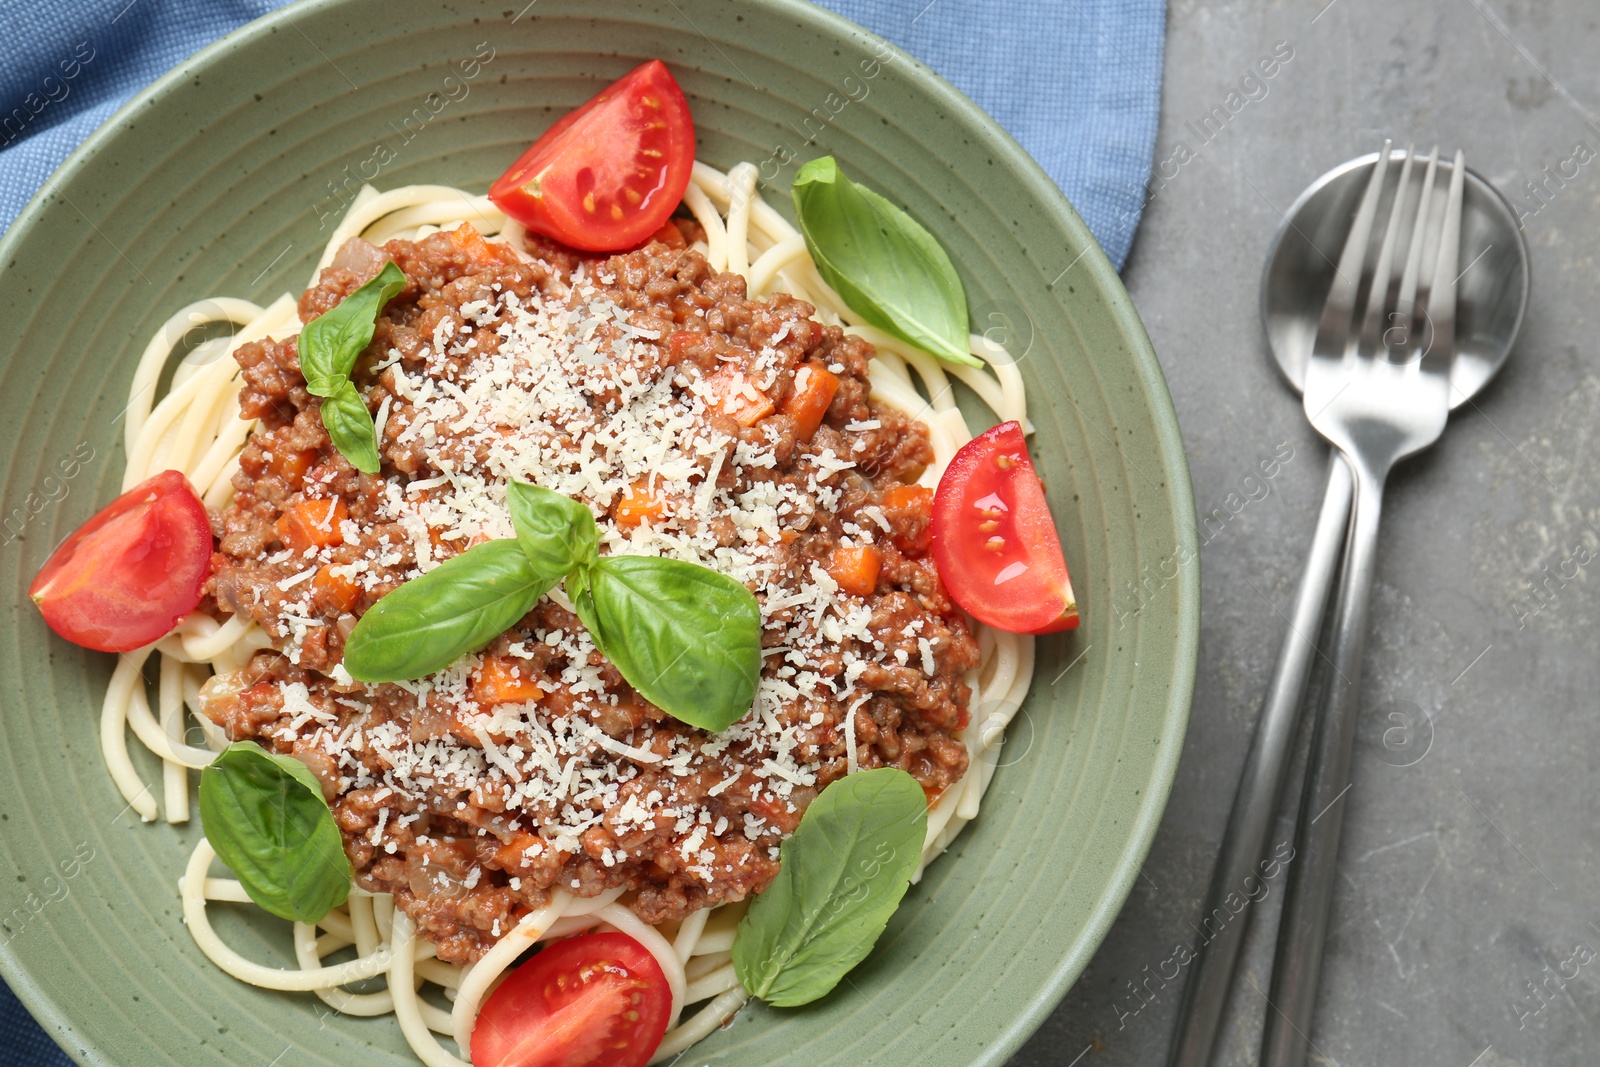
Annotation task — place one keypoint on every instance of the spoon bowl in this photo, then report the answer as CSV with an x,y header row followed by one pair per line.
x,y
1491,294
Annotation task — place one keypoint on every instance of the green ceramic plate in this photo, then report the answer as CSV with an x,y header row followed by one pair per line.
x,y
214,181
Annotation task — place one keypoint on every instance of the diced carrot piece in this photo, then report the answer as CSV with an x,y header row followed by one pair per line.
x,y
856,569
520,853
669,235
918,497
736,396
639,505
912,506
292,466
814,386
437,539
312,524
335,591
466,238
501,681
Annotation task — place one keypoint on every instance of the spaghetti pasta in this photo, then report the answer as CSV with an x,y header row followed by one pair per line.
x,y
196,428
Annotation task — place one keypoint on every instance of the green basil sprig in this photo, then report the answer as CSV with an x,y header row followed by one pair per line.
x,y
556,532
458,607
885,266
842,874
686,637
351,428
265,816
330,344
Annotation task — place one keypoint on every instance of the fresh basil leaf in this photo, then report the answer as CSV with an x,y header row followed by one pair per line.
x,y
350,427
458,607
686,637
577,588
841,875
885,266
556,532
331,343
265,816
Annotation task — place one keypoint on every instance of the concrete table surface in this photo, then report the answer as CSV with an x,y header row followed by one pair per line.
x,y
1466,925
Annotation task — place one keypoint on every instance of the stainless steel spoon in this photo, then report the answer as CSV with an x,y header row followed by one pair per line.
x,y
1492,295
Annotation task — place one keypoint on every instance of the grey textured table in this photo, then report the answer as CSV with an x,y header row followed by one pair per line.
x,y
1466,928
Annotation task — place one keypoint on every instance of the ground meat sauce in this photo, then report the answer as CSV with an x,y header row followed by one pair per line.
x,y
594,377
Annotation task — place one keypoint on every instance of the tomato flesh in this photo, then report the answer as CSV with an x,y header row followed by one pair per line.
x,y
597,1000
994,541
132,572
610,173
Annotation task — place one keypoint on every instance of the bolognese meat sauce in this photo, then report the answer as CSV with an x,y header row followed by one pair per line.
x,y
687,417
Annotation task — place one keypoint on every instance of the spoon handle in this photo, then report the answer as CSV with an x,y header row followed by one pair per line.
x,y
1260,791
1308,898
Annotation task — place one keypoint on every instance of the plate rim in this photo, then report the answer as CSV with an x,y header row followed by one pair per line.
x,y
1141,353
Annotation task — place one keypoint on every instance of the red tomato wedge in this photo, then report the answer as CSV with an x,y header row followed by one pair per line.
x,y
127,576
609,174
597,1000
994,541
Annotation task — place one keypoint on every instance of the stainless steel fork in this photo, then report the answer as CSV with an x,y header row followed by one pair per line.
x,y
1378,394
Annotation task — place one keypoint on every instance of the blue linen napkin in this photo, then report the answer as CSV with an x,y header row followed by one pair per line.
x,y
1077,83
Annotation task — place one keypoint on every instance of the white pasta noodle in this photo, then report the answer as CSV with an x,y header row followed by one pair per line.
x,y
765,269
702,965
408,1006
701,1024
197,429
741,183
302,980
689,932
716,230
174,775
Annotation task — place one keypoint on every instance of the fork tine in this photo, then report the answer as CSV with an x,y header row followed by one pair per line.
x,y
1384,272
1408,280
1441,300
1333,329
1405,302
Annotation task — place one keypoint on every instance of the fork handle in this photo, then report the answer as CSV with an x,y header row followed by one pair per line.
x,y
1308,898
1261,785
